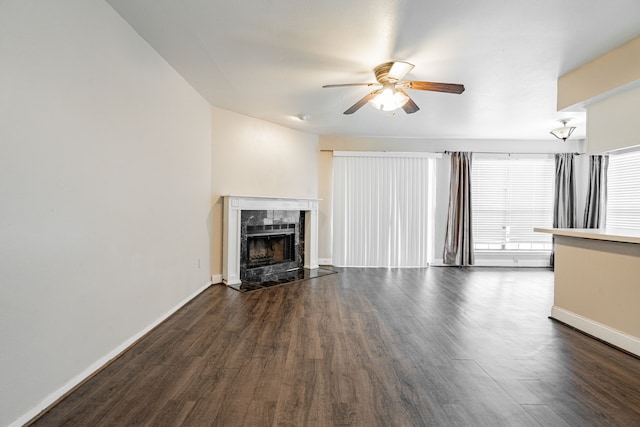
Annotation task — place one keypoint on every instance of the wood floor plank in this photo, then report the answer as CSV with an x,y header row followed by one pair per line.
x,y
366,347
546,416
211,394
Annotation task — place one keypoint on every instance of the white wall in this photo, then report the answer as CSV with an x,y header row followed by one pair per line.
x,y
251,157
104,191
325,207
612,122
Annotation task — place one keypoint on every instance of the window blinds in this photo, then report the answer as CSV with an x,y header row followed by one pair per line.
x,y
509,198
623,199
381,210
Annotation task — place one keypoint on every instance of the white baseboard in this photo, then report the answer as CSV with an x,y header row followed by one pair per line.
x,y
498,262
325,261
507,262
605,333
216,278
100,363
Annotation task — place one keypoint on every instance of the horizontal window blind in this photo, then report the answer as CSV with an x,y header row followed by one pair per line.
x,y
623,188
509,198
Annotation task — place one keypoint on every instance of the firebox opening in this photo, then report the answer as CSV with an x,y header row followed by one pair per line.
x,y
272,242
270,249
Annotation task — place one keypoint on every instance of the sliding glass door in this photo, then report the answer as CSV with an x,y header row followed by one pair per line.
x,y
382,209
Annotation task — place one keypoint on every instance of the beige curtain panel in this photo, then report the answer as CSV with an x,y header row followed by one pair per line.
x,y
458,244
596,206
564,204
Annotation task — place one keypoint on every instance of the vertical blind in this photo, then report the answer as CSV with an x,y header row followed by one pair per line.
x,y
509,198
381,210
623,199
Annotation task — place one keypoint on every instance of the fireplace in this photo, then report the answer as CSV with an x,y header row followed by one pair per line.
x,y
269,246
268,235
270,243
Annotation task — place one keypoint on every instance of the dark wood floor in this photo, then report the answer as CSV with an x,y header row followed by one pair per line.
x,y
366,347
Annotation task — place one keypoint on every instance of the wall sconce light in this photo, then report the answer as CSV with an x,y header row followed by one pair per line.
x,y
565,131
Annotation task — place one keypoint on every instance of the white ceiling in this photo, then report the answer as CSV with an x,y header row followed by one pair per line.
x,y
269,58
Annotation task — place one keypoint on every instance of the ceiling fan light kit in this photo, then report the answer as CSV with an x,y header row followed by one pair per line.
x,y
391,94
563,132
389,99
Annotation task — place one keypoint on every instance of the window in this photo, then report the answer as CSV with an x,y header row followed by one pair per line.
x,y
511,196
623,187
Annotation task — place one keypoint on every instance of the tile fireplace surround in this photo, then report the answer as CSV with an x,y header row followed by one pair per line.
x,y
233,207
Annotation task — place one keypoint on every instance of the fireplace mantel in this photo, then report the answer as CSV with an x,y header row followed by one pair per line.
x,y
234,205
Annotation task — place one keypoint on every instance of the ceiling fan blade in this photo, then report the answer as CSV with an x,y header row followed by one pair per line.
x,y
409,107
352,84
392,72
355,107
399,70
436,87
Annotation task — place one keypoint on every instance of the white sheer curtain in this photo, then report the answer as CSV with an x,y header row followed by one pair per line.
x,y
381,209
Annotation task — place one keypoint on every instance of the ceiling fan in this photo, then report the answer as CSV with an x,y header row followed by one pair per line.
x,y
391,94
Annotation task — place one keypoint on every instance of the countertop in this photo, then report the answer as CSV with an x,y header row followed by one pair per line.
x,y
623,235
